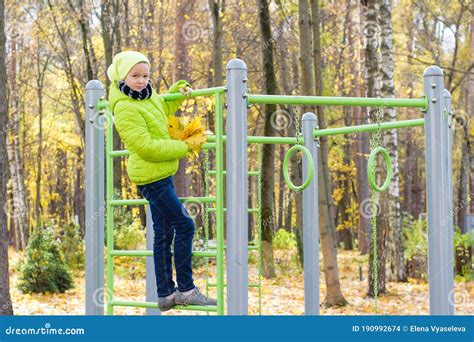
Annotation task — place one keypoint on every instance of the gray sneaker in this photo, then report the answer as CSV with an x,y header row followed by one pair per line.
x,y
165,304
194,298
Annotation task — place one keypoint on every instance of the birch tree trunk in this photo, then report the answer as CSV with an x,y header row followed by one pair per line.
x,y
362,146
6,307
395,259
372,62
15,161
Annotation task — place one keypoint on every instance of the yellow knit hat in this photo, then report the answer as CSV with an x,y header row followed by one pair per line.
x,y
122,64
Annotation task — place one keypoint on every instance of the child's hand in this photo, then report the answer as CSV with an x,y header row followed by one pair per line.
x,y
193,146
186,91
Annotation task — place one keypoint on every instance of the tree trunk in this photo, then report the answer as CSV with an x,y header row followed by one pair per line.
x,y
470,108
268,162
326,214
77,101
181,71
40,73
216,7
372,61
111,34
15,161
289,114
362,146
466,181
395,259
281,190
6,307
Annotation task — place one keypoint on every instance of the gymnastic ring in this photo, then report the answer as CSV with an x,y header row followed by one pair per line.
x,y
370,165
310,167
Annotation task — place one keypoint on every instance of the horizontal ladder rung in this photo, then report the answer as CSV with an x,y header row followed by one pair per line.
x,y
125,153
153,305
250,173
250,210
116,252
225,285
250,247
142,201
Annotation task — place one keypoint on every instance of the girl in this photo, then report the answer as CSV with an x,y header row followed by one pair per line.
x,y
141,119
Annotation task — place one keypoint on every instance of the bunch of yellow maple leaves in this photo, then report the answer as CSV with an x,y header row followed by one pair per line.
x,y
190,130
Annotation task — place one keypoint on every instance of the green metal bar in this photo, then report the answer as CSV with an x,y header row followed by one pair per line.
x,y
118,153
250,210
208,146
225,285
272,140
368,128
261,140
194,93
338,101
132,201
250,247
109,214
332,131
142,201
130,253
219,203
210,199
250,173
125,153
154,305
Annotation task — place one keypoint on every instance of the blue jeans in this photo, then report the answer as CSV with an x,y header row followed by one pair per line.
x,y
170,220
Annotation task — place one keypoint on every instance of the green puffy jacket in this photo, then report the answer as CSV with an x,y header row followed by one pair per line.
x,y
143,127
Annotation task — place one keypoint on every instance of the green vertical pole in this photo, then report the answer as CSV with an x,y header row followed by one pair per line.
x,y
219,205
110,213
206,217
259,241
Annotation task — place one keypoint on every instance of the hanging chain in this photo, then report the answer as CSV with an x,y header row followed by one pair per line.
x,y
376,138
298,134
375,141
259,241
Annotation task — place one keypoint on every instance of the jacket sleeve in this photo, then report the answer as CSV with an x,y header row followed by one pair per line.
x,y
133,131
172,106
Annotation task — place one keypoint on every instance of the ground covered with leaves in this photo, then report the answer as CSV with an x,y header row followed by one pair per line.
x,y
282,295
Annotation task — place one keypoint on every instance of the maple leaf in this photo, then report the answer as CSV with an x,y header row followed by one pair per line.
x,y
174,128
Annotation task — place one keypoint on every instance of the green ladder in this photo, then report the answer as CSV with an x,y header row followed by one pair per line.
x,y
218,200
253,246
216,251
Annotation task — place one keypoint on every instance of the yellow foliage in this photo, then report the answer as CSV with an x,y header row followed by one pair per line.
x,y
174,128
191,131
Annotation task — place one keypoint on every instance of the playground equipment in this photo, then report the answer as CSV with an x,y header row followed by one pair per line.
x,y
436,105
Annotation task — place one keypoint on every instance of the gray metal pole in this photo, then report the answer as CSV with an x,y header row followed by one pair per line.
x,y
310,221
449,225
237,189
151,291
437,192
95,206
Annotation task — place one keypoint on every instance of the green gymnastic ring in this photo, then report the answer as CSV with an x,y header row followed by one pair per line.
x,y
388,163
310,167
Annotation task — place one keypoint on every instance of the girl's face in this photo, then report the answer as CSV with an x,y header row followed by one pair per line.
x,y
138,76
